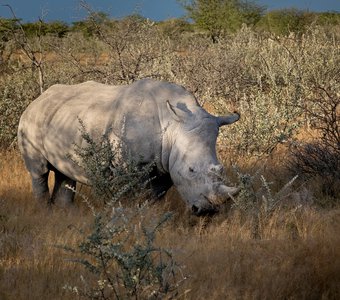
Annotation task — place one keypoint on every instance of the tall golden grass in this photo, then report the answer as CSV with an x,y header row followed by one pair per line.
x,y
297,256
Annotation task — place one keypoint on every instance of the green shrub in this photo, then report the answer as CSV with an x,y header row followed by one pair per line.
x,y
112,172
320,159
221,17
16,92
124,259
121,251
258,200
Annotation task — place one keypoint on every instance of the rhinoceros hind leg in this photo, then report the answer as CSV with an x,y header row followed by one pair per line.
x,y
63,194
40,187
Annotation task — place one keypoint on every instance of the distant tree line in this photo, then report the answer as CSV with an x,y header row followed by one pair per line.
x,y
213,17
220,17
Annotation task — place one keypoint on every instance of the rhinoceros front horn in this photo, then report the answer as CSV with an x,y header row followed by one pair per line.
x,y
225,120
227,191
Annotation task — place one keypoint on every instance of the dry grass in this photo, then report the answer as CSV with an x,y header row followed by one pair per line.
x,y
297,256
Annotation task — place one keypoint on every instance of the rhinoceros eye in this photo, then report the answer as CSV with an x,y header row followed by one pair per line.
x,y
191,170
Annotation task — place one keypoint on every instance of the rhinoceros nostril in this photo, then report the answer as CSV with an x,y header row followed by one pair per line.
x,y
195,209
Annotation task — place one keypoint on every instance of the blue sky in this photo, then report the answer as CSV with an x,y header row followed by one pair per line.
x,y
69,10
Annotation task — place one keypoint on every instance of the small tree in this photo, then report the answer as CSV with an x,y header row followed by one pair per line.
x,y
174,28
134,46
219,17
6,27
56,28
86,26
285,21
321,158
33,51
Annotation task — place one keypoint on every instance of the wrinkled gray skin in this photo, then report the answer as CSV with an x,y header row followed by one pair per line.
x,y
156,120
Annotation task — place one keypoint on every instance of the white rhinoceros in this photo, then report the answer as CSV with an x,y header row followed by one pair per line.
x,y
162,122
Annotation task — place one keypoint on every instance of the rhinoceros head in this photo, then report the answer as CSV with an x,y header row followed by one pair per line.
x,y
193,164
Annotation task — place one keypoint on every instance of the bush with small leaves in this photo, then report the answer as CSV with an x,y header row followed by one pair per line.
x,y
320,159
16,92
112,172
121,250
319,163
257,199
124,260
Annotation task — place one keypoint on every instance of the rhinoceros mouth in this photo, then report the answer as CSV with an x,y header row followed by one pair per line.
x,y
208,210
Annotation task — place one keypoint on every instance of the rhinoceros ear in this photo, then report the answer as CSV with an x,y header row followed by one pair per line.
x,y
174,112
225,120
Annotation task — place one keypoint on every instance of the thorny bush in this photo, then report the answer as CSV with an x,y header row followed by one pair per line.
x,y
112,172
121,250
122,256
258,200
320,159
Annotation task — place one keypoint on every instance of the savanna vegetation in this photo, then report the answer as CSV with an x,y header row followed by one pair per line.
x,y
278,239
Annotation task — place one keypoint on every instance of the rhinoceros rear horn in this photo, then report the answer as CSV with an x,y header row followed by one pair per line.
x,y
225,120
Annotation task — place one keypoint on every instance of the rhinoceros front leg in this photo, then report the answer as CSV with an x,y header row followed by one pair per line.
x,y
40,187
63,190
160,183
